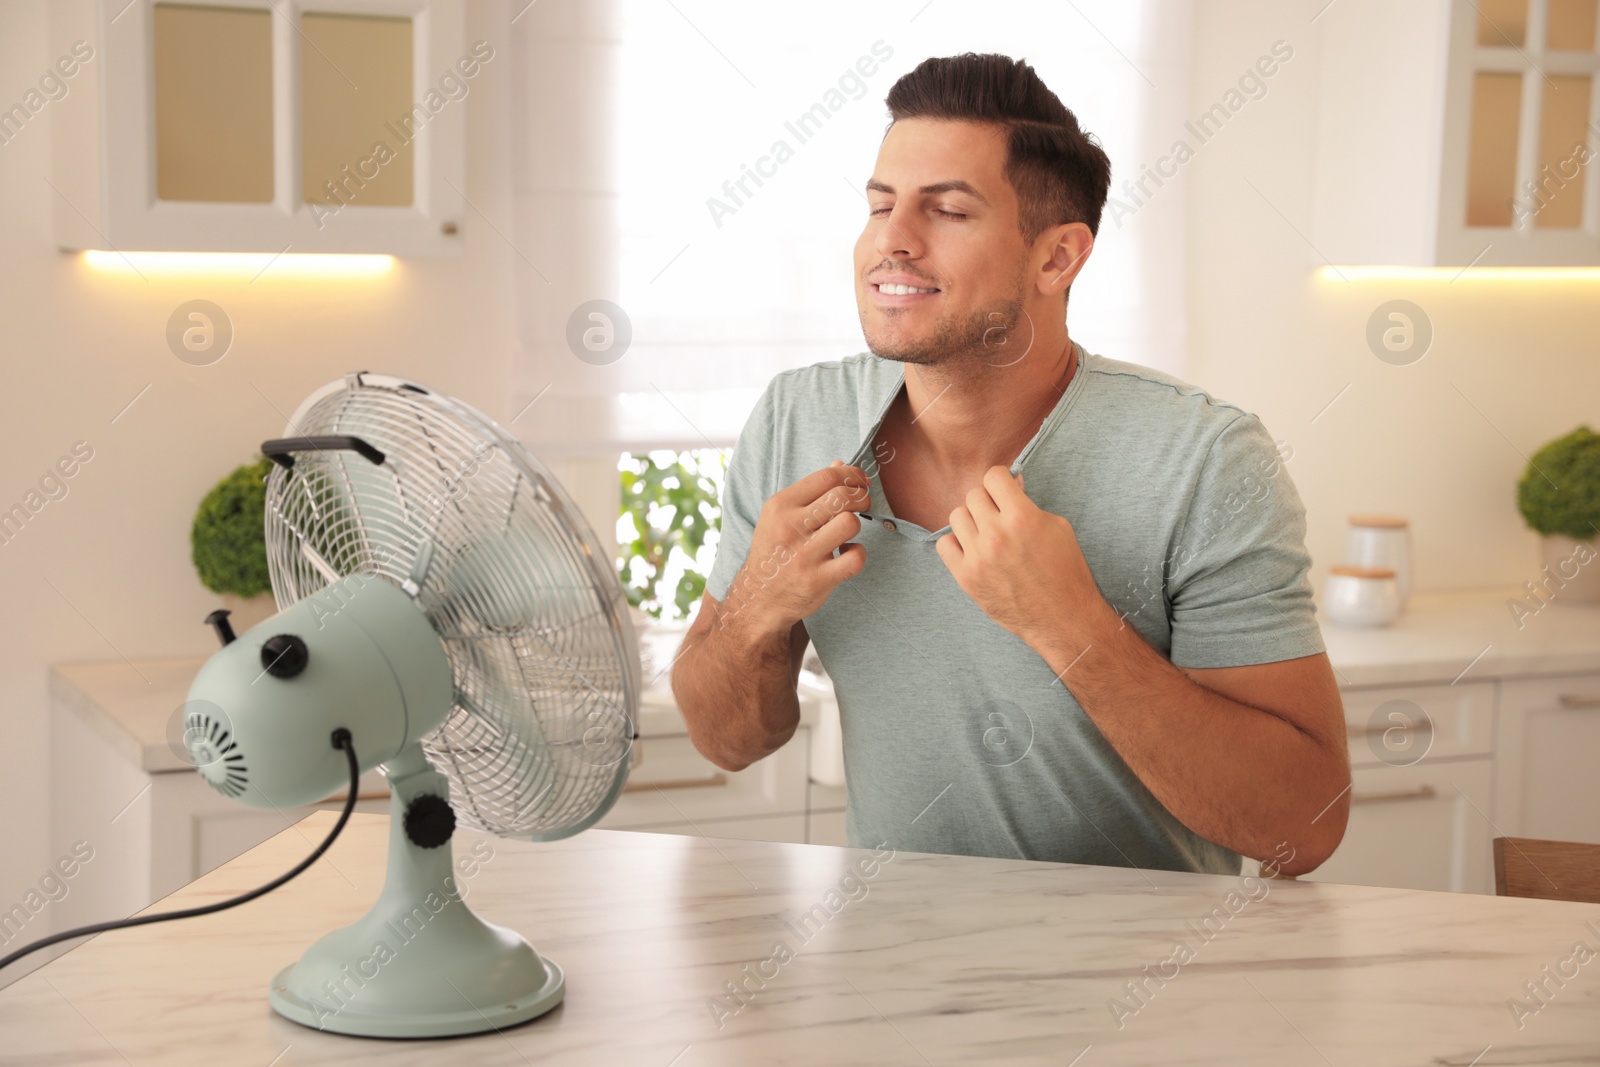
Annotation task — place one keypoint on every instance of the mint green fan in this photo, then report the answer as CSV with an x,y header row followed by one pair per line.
x,y
443,600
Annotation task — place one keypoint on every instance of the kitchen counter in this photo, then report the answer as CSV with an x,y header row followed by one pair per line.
x,y
1467,635
1442,637
136,707
930,960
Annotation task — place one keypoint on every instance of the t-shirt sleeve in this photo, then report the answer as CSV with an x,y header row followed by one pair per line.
x,y
1238,589
744,491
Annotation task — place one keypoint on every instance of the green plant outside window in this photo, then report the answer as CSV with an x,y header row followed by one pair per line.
x,y
667,532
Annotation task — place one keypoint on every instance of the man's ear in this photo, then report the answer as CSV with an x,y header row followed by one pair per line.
x,y
1069,246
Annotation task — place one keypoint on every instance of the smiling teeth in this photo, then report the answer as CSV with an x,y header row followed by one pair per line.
x,y
902,290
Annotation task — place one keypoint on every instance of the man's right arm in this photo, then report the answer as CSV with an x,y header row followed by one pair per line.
x,y
735,675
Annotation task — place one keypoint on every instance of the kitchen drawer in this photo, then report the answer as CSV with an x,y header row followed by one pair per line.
x,y
1461,717
1421,827
675,784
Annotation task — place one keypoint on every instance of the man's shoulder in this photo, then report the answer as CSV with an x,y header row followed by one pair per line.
x,y
1145,396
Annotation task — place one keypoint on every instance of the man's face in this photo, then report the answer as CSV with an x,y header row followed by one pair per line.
x,y
942,217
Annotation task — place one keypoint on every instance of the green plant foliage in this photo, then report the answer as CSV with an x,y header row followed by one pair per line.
x,y
679,493
1570,506
228,540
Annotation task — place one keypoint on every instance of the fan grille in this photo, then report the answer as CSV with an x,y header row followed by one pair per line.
x,y
530,615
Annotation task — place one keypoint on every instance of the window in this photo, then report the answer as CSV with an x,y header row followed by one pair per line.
x,y
742,169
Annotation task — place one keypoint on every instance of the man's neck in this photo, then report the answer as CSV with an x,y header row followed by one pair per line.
x,y
976,415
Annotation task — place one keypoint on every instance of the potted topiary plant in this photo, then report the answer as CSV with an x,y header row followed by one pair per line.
x,y
229,548
1559,496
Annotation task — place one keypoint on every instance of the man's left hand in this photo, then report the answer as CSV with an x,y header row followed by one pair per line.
x,y
1019,563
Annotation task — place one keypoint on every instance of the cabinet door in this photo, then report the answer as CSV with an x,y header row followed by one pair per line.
x,y
1419,827
1549,736
262,126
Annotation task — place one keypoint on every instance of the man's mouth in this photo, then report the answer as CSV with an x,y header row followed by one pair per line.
x,y
893,294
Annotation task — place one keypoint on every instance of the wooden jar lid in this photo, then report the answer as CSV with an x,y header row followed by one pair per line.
x,y
1386,521
1355,571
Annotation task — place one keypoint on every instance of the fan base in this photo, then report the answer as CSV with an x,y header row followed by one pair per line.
x,y
420,963
419,1024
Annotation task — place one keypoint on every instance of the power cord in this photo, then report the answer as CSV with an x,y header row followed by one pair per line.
x,y
341,740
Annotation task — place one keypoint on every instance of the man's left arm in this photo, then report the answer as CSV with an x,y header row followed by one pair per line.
x,y
1252,757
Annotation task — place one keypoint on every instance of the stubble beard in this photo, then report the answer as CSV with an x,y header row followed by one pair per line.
x,y
955,341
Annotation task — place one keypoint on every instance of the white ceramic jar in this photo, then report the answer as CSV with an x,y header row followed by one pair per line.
x,y
1355,595
1382,541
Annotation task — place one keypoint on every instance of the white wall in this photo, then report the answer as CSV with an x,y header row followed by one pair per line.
x,y
105,572
1442,441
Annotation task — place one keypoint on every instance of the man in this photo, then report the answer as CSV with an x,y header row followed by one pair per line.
x,y
1062,598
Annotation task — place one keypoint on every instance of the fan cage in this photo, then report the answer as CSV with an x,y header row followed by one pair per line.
x,y
531,615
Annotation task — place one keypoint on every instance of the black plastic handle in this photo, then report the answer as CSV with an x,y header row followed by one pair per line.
x,y
281,450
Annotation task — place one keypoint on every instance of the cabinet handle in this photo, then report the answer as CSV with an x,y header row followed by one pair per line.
x,y
1422,792
714,778
1569,701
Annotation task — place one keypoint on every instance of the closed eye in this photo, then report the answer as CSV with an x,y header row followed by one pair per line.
x,y
937,211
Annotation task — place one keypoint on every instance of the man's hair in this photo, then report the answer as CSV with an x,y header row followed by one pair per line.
x,y
1060,173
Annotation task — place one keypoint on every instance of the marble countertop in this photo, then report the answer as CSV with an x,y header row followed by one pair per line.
x,y
925,960
1467,634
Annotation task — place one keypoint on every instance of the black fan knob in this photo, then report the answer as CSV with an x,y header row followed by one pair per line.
x,y
284,655
429,821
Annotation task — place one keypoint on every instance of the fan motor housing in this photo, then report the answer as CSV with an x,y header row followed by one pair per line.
x,y
371,663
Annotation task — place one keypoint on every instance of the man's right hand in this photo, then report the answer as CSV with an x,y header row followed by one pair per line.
x,y
791,567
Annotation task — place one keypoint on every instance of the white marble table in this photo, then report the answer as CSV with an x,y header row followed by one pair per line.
x,y
935,960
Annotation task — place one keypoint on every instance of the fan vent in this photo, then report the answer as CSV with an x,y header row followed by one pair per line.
x,y
215,753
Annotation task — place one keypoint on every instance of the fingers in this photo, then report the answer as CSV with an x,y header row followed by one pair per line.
x,y
982,506
964,528
851,559
849,481
830,535
804,524
1003,489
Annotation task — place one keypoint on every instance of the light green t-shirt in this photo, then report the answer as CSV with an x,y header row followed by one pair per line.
x,y
957,736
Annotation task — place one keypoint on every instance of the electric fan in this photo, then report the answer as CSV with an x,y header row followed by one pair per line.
x,y
446,612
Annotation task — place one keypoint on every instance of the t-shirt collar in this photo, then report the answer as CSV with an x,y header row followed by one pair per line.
x,y
894,380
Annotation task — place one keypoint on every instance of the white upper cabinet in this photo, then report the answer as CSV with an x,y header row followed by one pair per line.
x,y
250,126
1459,132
